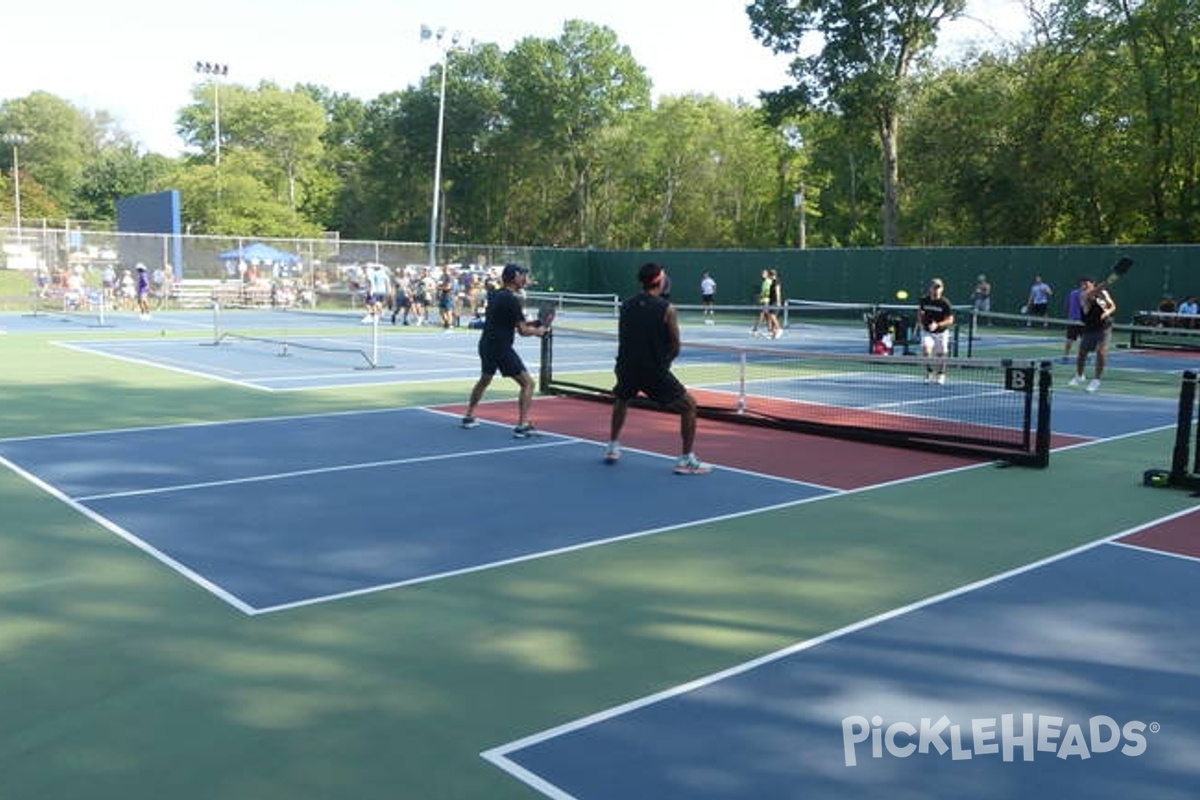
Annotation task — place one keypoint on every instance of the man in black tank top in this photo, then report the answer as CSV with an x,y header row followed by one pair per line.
x,y
1098,308
647,344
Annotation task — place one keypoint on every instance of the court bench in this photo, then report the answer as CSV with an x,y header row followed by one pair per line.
x,y
203,292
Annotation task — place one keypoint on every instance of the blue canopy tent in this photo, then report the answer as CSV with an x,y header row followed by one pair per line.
x,y
281,262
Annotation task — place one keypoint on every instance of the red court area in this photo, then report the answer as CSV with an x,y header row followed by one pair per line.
x,y
820,460
1178,535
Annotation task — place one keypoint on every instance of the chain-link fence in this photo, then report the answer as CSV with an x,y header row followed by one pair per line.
x,y
192,269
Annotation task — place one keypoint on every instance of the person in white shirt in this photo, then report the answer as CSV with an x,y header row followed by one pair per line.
x,y
708,297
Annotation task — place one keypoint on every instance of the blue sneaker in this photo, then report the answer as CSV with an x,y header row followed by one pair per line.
x,y
524,431
469,422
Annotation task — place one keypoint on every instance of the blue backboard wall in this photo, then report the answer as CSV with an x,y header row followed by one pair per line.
x,y
157,213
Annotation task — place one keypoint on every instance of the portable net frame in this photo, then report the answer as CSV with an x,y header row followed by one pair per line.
x,y
995,409
342,333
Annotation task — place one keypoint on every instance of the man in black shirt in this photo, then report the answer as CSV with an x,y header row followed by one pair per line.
x,y
505,318
647,344
935,315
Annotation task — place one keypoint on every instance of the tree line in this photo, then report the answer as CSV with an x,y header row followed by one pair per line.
x,y
1086,132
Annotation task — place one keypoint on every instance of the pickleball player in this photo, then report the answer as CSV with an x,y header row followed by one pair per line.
x,y
935,315
505,317
648,342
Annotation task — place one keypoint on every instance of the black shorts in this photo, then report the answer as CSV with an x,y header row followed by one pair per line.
x,y
506,361
1074,332
1092,341
663,388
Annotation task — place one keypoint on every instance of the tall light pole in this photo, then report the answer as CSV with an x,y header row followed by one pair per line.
x,y
795,140
16,140
216,71
439,39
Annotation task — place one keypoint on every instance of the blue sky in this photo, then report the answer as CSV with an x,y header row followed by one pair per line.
x,y
135,58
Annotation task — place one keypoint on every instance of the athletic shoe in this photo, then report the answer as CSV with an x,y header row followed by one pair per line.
x,y
690,465
613,454
929,377
470,422
1076,380
1093,385
941,378
524,431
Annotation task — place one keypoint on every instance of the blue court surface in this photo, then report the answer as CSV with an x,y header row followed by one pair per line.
x,y
1074,679
315,361
274,513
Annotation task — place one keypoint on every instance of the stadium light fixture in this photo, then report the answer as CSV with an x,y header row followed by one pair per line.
x,y
445,45
15,140
215,71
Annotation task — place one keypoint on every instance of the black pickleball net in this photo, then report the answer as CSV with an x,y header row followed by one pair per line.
x,y
997,409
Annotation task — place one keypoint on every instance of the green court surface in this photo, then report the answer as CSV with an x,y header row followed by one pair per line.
x,y
120,679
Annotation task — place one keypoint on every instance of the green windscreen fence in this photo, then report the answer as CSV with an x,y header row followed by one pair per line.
x,y
876,275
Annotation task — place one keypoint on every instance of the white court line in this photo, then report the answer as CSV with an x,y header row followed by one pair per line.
x,y
183,487
207,374
213,423
154,552
499,755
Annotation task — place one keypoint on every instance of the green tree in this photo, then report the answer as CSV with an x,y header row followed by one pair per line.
x,y
328,187
117,171
867,52
697,172
60,141
283,127
560,97
232,201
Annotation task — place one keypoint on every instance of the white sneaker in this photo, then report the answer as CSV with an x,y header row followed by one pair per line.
x,y
613,453
1093,385
929,377
690,465
941,378
1076,380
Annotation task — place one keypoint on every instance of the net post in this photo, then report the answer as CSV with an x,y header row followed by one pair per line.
x,y
544,370
1196,463
1183,427
216,309
741,401
374,340
1041,449
972,330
